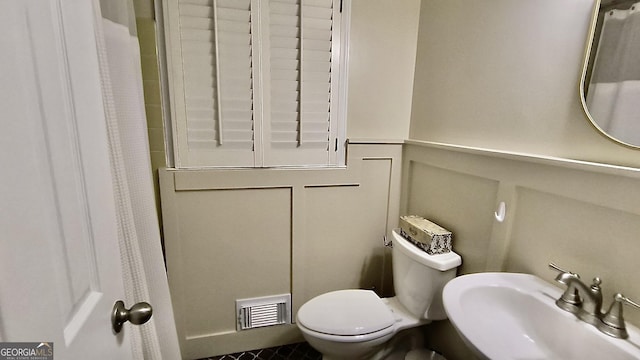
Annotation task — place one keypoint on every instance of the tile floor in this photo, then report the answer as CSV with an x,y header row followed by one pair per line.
x,y
299,351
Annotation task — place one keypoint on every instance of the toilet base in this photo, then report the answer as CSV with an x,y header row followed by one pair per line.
x,y
406,344
349,351
416,354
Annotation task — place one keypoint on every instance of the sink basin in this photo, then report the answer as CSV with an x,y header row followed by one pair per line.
x,y
514,316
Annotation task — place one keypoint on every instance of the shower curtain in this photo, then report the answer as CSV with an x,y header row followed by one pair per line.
x,y
138,234
613,96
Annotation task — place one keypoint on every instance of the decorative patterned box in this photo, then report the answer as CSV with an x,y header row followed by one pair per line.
x,y
426,235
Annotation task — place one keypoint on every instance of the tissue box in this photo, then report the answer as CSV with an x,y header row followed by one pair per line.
x,y
426,235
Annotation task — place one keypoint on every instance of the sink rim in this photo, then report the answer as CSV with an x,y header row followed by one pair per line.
x,y
524,285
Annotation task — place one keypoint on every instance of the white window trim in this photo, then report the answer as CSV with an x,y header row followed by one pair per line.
x,y
343,84
173,96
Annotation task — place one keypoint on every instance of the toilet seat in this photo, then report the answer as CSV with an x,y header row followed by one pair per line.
x,y
347,315
384,335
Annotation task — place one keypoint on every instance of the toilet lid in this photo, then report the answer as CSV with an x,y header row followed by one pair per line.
x,y
346,312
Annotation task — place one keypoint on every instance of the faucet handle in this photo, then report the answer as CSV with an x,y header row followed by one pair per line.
x,y
570,300
559,269
619,298
565,274
613,320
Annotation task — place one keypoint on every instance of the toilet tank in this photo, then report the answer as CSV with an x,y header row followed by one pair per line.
x,y
418,278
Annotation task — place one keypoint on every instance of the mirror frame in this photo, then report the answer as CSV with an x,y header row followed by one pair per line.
x,y
585,68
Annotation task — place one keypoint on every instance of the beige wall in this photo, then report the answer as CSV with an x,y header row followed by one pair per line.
x,y
151,86
144,9
146,28
504,75
382,51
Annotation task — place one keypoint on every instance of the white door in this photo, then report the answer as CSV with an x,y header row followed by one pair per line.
x,y
60,270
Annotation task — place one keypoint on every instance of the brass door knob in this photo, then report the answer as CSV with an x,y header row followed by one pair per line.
x,y
138,314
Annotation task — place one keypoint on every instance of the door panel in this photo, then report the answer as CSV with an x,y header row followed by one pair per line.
x,y
59,250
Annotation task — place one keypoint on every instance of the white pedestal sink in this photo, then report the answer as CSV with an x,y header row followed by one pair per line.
x,y
513,316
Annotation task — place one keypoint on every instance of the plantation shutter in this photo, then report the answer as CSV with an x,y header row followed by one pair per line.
x,y
215,123
299,125
254,81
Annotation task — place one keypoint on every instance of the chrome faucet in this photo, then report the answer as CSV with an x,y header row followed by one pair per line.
x,y
586,303
582,300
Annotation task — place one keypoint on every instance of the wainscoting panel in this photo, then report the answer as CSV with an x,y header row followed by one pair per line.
x,y
446,197
241,233
343,232
590,239
583,216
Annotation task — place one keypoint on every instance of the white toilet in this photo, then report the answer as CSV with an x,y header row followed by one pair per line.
x,y
357,324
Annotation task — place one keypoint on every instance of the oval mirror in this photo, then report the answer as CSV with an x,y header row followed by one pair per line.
x,y
610,85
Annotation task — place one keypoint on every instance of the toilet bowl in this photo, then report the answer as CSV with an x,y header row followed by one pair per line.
x,y
357,324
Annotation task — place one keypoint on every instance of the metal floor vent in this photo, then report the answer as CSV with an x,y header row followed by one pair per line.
x,y
264,311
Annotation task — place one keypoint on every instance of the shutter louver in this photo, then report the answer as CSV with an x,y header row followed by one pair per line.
x,y
199,73
300,82
215,37
316,73
233,33
284,18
